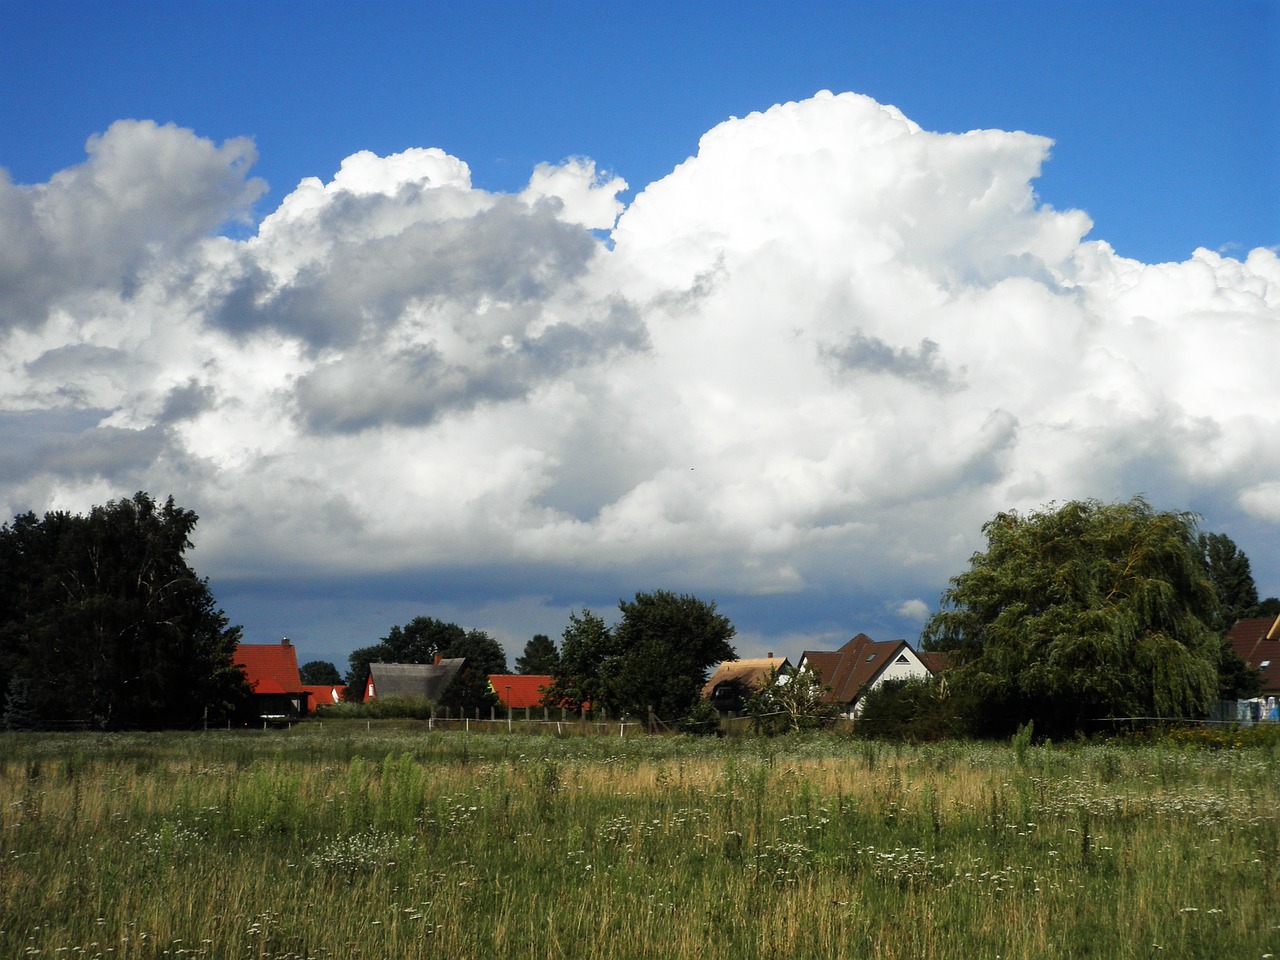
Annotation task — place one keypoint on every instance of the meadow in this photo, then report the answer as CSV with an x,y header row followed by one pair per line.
x,y
386,840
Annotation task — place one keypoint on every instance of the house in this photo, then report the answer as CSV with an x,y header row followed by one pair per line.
x,y
324,694
862,664
413,681
519,691
736,680
272,672
1257,643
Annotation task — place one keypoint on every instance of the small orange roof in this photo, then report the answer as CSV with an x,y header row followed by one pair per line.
x,y
270,667
519,690
325,693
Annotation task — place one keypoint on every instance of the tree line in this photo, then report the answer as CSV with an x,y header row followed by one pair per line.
x,y
1072,614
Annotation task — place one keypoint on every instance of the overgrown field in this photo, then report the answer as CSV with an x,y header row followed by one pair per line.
x,y
340,841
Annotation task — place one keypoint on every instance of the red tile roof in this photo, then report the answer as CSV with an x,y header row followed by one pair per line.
x,y
326,693
1257,642
270,667
519,690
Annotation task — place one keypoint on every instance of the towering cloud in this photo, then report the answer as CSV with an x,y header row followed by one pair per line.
x,y
815,357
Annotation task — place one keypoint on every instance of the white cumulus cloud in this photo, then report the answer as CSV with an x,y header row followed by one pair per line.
x,y
810,361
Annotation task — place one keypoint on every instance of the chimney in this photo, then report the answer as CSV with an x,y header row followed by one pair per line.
x,y
770,654
438,659
284,641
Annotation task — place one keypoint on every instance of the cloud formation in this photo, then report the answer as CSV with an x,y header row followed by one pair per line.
x,y
812,360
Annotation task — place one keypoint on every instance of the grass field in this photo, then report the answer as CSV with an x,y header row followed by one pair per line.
x,y
349,840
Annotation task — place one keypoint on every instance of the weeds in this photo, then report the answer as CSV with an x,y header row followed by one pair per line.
x,y
375,841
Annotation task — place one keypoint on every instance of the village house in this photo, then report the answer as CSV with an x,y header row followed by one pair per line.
x,y
735,681
272,672
519,691
863,664
1257,643
412,681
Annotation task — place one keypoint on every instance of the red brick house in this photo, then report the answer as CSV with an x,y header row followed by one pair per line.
x,y
272,672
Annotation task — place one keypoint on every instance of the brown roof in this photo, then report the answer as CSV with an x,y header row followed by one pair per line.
x,y
754,673
847,670
934,661
270,668
1257,642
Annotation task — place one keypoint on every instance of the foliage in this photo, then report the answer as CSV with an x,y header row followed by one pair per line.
x,y
484,655
319,673
1233,584
1087,611
106,623
791,700
913,709
586,648
703,719
666,643
540,656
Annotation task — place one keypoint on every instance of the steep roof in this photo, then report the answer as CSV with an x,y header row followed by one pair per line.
x,y
519,690
1257,642
934,661
324,693
752,672
271,668
854,665
424,681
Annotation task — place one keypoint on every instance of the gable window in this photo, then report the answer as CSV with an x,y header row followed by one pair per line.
x,y
902,658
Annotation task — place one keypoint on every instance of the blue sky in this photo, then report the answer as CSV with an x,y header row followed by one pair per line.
x,y
1164,114
125,364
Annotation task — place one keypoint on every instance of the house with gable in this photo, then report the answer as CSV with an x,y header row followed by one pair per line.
x,y
863,664
413,681
272,672
1257,642
734,681
519,691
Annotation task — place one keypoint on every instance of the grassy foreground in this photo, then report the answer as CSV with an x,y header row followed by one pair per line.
x,y
340,841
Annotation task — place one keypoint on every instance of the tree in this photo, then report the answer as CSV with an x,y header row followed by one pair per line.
x,y
1087,611
665,644
793,699
470,690
586,648
1233,584
540,656
319,673
106,623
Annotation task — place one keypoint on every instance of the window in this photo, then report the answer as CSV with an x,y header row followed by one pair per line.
x,y
1264,664
902,658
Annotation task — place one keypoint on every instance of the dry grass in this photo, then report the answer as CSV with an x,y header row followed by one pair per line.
x,y
342,841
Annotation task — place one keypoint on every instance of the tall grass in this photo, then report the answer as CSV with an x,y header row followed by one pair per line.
x,y
388,841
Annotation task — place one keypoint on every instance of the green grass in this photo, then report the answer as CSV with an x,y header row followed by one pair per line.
x,y
385,840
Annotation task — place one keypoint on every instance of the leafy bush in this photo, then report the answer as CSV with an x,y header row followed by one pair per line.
x,y
914,709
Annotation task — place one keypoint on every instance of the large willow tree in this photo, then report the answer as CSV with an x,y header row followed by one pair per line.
x,y
1080,613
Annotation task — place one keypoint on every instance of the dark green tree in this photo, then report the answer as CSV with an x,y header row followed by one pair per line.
x,y
1087,611
586,648
319,673
666,643
484,655
540,656
1232,578
109,626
